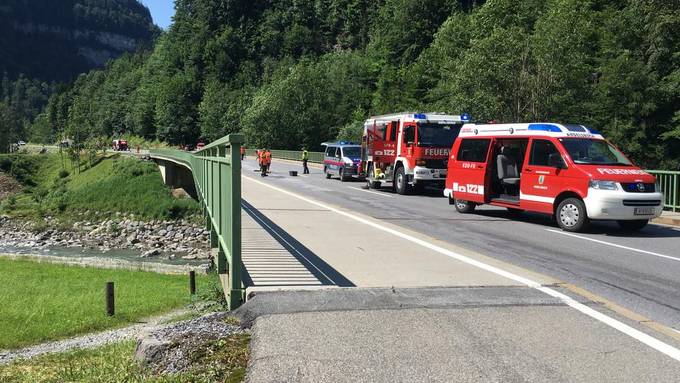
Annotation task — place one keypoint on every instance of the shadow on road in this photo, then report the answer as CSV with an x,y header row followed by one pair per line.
x,y
324,272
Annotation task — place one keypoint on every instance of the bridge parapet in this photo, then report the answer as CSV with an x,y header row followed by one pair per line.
x,y
216,173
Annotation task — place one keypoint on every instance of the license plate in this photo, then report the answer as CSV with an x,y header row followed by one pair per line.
x,y
644,211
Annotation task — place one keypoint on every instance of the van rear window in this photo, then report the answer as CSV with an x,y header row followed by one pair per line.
x,y
473,149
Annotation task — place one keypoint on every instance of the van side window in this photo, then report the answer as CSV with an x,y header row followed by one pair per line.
x,y
338,153
541,150
473,149
330,151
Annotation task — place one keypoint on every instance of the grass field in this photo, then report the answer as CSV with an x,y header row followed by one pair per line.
x,y
222,361
114,183
41,302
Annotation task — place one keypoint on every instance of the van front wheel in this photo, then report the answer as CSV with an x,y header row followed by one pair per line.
x,y
571,215
465,207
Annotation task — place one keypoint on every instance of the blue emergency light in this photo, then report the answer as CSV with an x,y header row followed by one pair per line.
x,y
593,131
545,128
465,117
420,116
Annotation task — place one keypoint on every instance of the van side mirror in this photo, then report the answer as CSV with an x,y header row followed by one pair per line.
x,y
555,161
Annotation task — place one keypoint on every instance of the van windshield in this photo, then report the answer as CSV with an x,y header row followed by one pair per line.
x,y
437,135
594,152
351,151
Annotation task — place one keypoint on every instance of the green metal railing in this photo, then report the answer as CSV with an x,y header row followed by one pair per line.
x,y
293,155
669,182
216,171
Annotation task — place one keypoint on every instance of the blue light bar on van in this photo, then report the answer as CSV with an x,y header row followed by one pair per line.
x,y
465,117
545,127
420,116
593,131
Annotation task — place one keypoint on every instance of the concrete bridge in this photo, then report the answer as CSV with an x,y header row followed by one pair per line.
x,y
348,284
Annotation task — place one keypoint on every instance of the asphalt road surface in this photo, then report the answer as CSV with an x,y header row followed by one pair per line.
x,y
639,271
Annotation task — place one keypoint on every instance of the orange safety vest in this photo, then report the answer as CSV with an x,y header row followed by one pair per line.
x,y
267,157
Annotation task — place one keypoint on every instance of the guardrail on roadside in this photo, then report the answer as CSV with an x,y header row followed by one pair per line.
x,y
217,175
669,182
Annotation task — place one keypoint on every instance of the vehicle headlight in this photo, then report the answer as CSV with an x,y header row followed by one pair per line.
x,y
604,185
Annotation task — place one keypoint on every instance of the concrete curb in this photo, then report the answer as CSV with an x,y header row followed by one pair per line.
x,y
672,221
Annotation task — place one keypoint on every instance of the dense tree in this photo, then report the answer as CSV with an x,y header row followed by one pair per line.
x,y
290,73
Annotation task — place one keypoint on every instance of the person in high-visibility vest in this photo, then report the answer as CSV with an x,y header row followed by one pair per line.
x,y
305,158
268,159
262,161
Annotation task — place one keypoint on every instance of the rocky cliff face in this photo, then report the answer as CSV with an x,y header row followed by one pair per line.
x,y
56,40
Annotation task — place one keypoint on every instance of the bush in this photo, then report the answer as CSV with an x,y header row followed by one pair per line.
x,y
63,173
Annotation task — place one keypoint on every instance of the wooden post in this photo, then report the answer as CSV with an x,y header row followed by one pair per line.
x,y
110,303
192,282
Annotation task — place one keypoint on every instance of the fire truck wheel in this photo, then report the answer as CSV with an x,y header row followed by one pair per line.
x,y
400,182
571,215
371,184
328,175
464,207
633,225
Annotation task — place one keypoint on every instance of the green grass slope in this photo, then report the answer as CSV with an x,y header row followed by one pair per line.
x,y
112,184
41,302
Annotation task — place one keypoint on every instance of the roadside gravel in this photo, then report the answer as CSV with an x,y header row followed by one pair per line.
x,y
89,340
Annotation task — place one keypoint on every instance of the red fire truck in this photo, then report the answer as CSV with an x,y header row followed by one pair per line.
x,y
408,150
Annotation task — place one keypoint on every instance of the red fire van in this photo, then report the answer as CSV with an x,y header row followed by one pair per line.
x,y
568,171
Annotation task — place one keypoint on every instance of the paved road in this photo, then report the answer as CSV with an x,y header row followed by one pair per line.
x,y
639,271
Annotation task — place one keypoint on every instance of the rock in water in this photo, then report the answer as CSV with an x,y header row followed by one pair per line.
x,y
151,253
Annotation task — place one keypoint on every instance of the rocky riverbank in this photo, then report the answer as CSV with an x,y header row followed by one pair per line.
x,y
157,238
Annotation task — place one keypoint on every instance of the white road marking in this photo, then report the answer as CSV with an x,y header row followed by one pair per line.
x,y
609,321
614,245
372,192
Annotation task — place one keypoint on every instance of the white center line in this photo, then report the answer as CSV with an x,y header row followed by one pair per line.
x,y
372,192
614,245
638,335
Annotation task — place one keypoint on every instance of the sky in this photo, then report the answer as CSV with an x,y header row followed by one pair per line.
x,y
161,11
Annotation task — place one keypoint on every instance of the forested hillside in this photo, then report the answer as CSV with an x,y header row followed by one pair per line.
x,y
45,42
289,73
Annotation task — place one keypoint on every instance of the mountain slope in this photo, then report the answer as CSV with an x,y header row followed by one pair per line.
x,y
57,40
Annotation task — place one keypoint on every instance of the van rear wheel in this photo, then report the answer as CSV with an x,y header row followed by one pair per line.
x,y
465,207
571,215
633,225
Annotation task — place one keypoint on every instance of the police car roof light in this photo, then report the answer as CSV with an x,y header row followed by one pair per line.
x,y
419,116
545,127
465,117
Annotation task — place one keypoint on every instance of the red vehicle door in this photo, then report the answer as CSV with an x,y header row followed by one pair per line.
x,y
470,168
541,181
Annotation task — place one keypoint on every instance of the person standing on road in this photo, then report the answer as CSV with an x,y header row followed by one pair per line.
x,y
268,159
243,153
305,158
